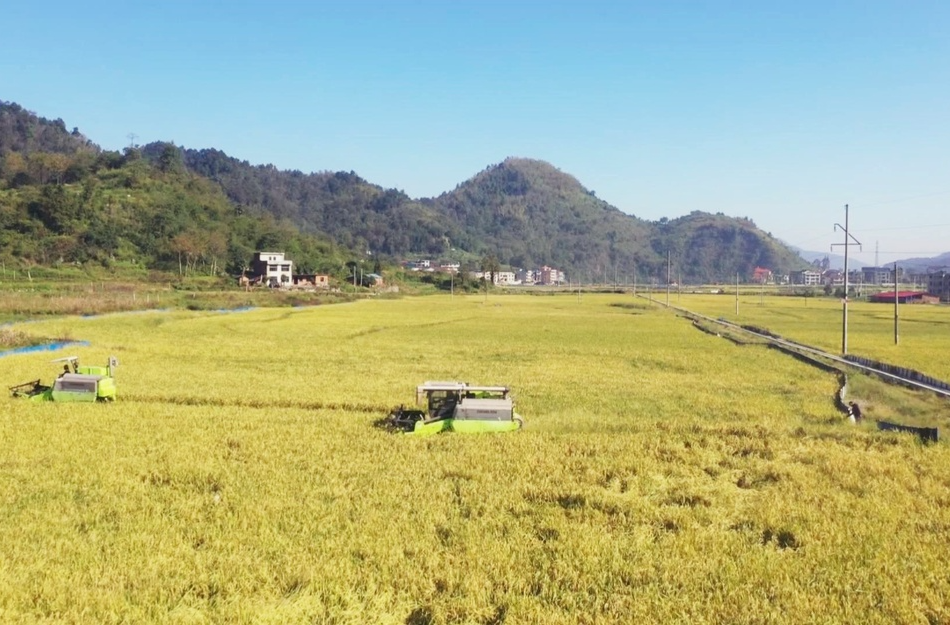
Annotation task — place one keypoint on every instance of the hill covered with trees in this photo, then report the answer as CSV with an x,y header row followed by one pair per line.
x,y
65,200
528,212
350,210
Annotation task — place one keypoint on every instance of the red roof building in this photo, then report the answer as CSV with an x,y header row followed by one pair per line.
x,y
904,297
761,275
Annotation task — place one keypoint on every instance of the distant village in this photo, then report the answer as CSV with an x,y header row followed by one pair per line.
x,y
932,286
543,276
274,269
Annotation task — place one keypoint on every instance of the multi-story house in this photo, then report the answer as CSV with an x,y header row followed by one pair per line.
x,y
272,269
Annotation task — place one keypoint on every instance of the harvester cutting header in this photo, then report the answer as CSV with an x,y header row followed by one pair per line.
x,y
457,407
75,383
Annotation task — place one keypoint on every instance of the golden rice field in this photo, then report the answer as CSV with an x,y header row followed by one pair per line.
x,y
923,329
664,475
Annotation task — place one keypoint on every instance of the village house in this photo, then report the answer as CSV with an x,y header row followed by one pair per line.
x,y
938,284
551,276
761,275
806,277
904,297
317,281
877,275
833,277
423,264
505,278
270,269
526,276
501,278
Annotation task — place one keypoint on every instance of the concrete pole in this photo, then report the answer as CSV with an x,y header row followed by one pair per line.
x,y
896,297
737,294
844,307
669,256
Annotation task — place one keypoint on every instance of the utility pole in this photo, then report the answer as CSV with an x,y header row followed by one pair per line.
x,y
896,298
848,238
669,257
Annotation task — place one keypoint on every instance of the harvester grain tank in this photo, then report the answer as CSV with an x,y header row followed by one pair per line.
x,y
457,407
76,383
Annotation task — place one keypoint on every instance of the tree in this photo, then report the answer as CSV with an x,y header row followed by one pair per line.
x,y
12,165
216,246
491,266
187,245
169,160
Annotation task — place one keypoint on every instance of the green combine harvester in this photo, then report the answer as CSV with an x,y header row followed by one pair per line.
x,y
457,407
75,383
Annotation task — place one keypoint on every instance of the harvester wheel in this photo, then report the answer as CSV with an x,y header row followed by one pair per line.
x,y
517,419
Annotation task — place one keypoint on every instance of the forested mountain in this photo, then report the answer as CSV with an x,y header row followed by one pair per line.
x,y
63,199
528,213
357,214
523,212
711,248
24,132
926,263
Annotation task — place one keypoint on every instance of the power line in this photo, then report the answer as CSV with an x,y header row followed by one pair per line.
x,y
917,252
920,227
905,199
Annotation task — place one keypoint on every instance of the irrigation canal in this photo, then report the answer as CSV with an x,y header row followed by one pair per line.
x,y
819,356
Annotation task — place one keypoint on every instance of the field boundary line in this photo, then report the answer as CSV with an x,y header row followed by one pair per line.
x,y
807,350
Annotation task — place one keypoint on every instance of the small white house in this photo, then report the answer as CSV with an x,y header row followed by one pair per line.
x,y
272,268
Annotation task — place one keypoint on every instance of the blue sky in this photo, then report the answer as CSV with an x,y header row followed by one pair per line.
x,y
778,111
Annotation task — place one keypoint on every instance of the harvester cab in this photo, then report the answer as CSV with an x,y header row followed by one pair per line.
x,y
75,383
458,407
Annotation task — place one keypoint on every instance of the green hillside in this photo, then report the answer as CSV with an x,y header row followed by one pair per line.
x,y
65,200
359,215
528,212
711,248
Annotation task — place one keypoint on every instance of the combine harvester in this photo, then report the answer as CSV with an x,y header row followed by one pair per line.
x,y
457,407
75,383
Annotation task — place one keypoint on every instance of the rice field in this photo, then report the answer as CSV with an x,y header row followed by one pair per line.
x,y
664,475
923,329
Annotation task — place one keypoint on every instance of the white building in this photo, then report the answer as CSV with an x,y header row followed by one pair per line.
x,y
807,277
505,278
501,278
272,268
